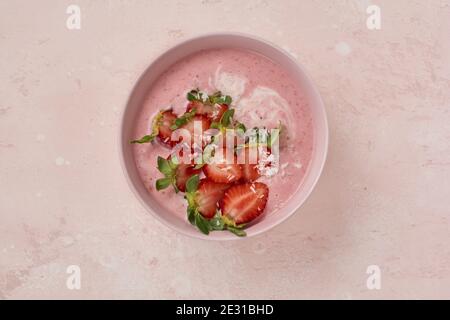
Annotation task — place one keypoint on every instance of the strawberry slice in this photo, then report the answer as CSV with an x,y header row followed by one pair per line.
x,y
203,198
200,108
175,173
164,123
204,123
219,110
182,173
256,159
250,170
243,203
208,195
219,170
213,112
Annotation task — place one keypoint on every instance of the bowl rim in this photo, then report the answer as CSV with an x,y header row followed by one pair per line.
x,y
320,105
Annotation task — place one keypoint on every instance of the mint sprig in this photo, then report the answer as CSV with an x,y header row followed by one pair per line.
x,y
168,167
216,98
192,184
240,127
145,139
220,223
163,183
194,95
226,118
217,222
184,119
155,130
224,122
237,231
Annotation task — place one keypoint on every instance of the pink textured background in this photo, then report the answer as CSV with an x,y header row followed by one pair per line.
x,y
383,199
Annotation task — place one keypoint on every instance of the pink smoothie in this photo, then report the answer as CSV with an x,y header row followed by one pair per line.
x,y
263,94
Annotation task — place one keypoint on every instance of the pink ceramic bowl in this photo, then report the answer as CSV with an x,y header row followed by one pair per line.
x,y
210,41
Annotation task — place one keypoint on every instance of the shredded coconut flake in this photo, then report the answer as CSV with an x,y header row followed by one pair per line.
x,y
228,83
270,111
298,165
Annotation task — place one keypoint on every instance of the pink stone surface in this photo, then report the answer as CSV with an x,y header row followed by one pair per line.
x,y
383,198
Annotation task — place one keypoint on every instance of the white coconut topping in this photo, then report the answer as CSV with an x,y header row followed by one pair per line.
x,y
264,107
228,83
268,165
298,165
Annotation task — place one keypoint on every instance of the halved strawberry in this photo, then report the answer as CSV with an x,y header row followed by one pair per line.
x,y
243,203
212,111
164,123
208,195
223,171
219,110
250,170
161,128
175,173
254,160
200,108
203,198
182,173
204,124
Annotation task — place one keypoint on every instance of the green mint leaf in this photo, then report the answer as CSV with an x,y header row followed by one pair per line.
x,y
218,98
191,96
227,100
178,123
191,215
216,95
226,118
273,138
163,183
144,139
240,127
236,231
192,183
194,95
174,185
201,223
189,115
214,98
173,162
214,125
190,197
184,119
217,223
164,166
